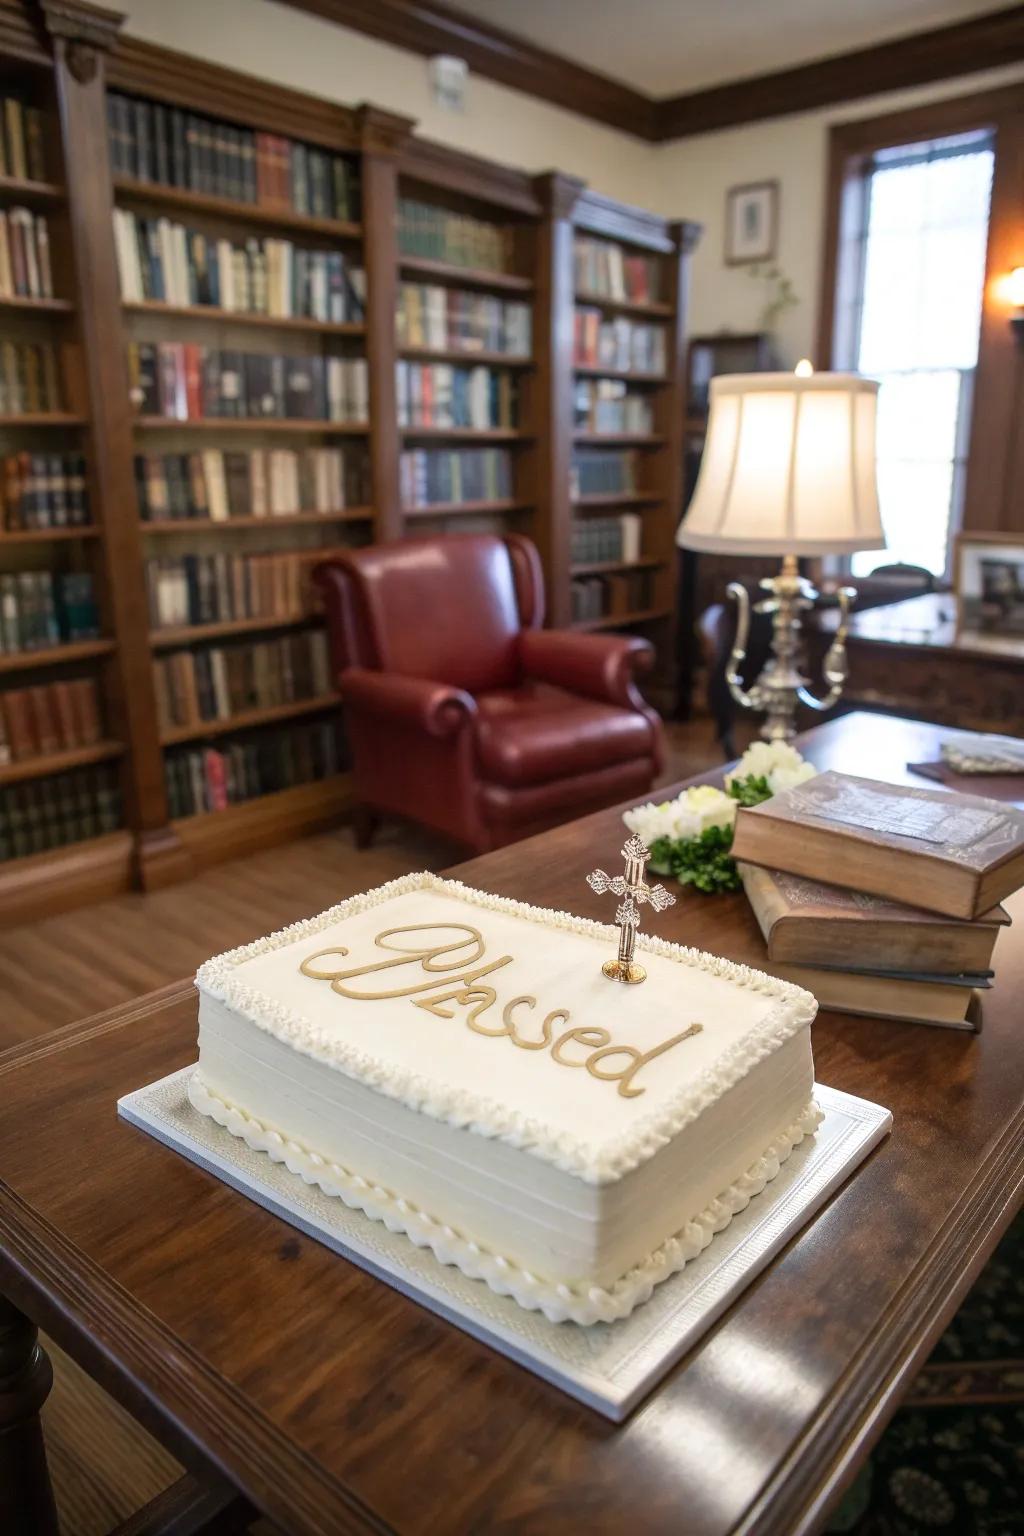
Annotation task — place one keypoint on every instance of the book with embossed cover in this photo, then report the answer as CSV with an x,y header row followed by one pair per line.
x,y
805,922
954,854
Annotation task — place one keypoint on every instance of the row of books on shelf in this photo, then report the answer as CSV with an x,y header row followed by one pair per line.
x,y
64,808
448,395
165,262
52,717
22,147
39,609
606,405
628,346
451,320
151,142
201,779
436,234
432,476
29,378
606,538
603,472
604,268
183,381
218,485
218,682
44,490
214,589
613,596
25,271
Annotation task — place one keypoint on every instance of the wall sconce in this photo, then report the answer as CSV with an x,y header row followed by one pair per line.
x,y
1014,289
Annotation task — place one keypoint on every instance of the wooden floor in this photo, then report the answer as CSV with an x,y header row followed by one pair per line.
x,y
104,1466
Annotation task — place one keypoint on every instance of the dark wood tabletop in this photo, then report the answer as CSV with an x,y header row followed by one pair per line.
x,y
335,1404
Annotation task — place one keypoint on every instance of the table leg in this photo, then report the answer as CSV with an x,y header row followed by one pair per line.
x,y
26,1497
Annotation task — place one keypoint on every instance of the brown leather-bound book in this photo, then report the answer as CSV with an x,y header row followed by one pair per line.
x,y
21,731
65,714
44,716
87,710
949,1003
955,854
805,922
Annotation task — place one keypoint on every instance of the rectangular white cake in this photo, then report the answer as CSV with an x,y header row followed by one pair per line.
x,y
456,1065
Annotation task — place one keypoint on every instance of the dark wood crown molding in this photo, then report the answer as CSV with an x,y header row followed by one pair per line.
x,y
983,42
421,26
437,165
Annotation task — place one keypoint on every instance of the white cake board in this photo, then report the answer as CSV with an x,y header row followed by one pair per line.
x,y
610,1366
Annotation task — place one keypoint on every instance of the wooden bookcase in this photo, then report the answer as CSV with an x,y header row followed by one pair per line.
x,y
67,57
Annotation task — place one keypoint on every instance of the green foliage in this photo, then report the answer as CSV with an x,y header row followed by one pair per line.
x,y
750,791
704,862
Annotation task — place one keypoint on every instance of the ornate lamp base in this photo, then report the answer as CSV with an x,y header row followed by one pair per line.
x,y
629,972
782,684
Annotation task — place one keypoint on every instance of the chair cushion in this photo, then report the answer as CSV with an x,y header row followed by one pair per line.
x,y
535,733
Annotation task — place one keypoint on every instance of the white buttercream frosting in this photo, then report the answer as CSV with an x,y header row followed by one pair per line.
x,y
600,1143
559,1303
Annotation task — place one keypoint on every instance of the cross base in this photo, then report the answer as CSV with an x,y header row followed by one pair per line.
x,y
627,971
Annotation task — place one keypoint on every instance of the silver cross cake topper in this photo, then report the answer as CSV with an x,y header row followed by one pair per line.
x,y
634,890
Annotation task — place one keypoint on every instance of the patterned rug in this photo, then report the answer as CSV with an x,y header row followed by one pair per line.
x,y
952,1459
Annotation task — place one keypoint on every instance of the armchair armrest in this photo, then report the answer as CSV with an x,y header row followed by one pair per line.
x,y
435,708
600,666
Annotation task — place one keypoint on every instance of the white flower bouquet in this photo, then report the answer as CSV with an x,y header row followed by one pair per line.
x,y
690,837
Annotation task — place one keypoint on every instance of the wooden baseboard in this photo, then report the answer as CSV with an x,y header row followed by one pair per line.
x,y
45,883
261,823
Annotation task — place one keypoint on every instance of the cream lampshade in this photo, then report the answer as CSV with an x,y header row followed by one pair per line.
x,y
788,467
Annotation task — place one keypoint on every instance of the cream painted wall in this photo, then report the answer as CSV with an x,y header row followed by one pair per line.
x,y
278,43
696,174
687,179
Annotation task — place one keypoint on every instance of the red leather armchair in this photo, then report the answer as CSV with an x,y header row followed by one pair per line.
x,y
464,714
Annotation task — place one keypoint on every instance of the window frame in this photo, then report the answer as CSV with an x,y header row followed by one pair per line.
x,y
993,496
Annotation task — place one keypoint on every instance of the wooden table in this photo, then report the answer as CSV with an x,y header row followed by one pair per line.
x,y
909,657
336,1405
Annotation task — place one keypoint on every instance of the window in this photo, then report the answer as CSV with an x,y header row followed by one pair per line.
x,y
908,313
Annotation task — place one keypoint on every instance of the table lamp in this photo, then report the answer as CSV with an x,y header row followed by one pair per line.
x,y
788,469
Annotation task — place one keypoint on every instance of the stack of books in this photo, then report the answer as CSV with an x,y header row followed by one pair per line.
x,y
441,395
455,238
627,346
201,779
193,687
604,472
429,476
52,812
21,141
906,924
53,717
24,255
29,378
606,405
39,610
604,268
183,381
44,490
614,596
213,589
151,142
164,262
215,486
450,320
606,538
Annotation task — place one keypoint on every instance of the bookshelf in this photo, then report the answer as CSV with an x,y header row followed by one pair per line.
x,y
468,315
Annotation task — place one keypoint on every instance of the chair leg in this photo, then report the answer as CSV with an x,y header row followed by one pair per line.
x,y
365,822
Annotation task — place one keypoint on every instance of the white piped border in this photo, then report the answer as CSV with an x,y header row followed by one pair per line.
x,y
559,1303
794,1009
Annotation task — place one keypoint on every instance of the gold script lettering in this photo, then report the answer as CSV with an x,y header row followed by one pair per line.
x,y
557,1015
591,1038
638,1059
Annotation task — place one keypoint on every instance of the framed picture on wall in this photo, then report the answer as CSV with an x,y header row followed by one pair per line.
x,y
751,223
989,582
